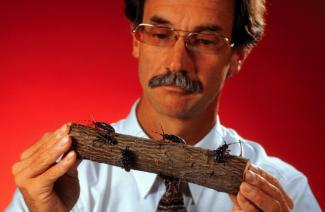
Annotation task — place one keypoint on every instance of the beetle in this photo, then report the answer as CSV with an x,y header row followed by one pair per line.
x,y
104,126
106,138
127,158
172,138
105,133
222,152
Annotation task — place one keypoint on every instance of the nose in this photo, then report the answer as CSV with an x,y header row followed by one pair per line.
x,y
179,57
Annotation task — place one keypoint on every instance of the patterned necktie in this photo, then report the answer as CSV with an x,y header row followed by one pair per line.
x,y
172,200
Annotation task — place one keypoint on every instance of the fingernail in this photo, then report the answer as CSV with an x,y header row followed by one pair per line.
x,y
64,140
61,132
250,176
64,128
69,156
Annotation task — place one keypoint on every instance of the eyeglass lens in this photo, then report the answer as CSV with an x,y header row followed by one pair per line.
x,y
164,36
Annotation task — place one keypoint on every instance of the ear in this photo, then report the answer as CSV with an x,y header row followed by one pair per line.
x,y
237,60
135,47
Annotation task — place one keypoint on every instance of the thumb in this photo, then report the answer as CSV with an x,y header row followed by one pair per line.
x,y
73,172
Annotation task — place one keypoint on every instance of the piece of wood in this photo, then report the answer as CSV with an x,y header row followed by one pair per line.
x,y
190,164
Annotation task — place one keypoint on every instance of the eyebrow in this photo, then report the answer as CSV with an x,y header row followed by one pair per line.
x,y
159,20
200,28
208,27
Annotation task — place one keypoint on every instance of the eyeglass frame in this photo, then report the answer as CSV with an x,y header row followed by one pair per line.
x,y
187,36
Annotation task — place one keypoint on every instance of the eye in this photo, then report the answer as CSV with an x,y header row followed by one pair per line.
x,y
206,39
160,33
161,36
205,42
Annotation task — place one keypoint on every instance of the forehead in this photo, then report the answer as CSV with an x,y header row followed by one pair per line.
x,y
187,14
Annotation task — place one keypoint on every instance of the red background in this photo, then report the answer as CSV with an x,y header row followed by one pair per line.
x,y
70,61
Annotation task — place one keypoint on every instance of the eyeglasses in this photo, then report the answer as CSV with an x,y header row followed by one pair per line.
x,y
210,43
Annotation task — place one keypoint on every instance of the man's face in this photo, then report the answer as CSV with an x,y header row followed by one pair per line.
x,y
210,70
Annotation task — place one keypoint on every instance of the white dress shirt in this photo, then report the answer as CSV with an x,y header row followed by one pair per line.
x,y
109,188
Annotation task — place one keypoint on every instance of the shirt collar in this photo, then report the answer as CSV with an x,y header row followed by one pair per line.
x,y
145,180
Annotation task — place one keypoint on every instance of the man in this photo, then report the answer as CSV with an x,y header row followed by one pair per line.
x,y
186,49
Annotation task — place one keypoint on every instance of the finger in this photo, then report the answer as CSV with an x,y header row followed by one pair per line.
x,y
32,149
273,181
59,169
261,199
42,161
73,171
33,155
28,156
236,206
268,188
245,204
46,137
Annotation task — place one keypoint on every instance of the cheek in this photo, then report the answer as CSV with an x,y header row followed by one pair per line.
x,y
150,63
212,74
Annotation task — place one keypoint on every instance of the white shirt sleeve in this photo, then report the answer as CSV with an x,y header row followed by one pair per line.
x,y
17,204
302,196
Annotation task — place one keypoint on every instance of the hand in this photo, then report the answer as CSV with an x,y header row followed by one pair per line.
x,y
260,191
45,184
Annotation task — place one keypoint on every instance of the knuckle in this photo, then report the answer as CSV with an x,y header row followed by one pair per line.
x,y
242,201
253,193
275,180
14,168
275,206
278,192
27,153
50,153
259,171
67,127
45,135
258,200
43,159
259,182
20,182
22,155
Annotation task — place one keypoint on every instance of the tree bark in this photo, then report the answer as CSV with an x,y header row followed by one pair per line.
x,y
188,163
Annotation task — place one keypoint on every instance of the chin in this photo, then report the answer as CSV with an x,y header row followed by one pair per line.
x,y
177,106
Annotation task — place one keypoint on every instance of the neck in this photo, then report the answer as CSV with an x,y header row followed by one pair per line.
x,y
191,129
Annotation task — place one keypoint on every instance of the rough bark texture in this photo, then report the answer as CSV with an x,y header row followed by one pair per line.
x,y
190,164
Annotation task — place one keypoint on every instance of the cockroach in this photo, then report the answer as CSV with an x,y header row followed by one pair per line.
x,y
127,158
171,138
222,152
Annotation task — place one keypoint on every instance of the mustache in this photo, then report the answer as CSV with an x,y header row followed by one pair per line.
x,y
179,79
